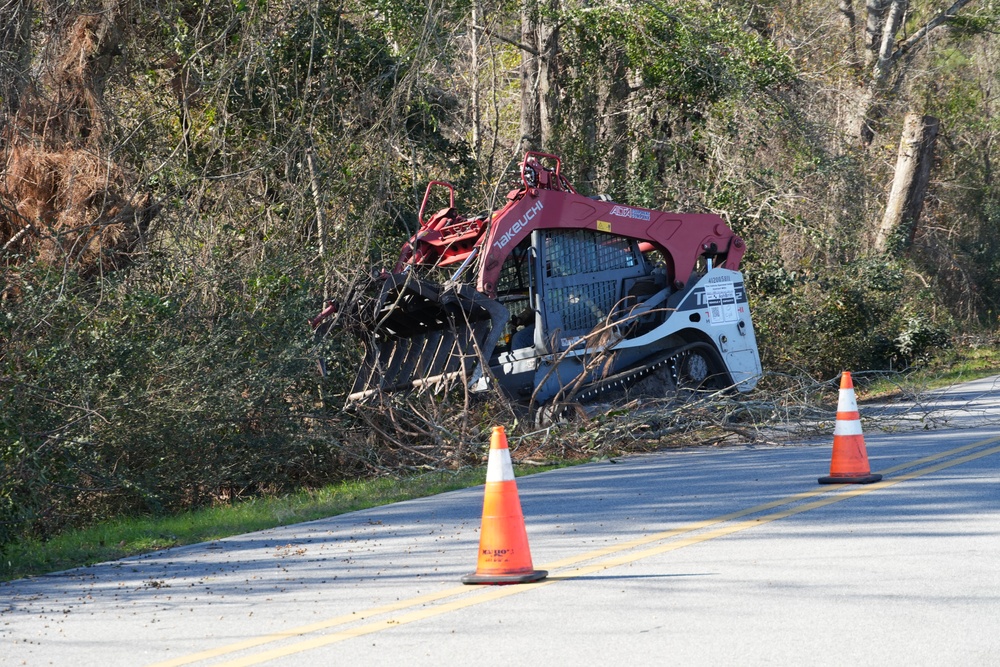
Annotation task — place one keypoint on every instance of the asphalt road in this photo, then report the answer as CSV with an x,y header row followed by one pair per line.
x,y
704,557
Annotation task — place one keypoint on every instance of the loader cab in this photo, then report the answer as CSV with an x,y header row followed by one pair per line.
x,y
587,282
565,289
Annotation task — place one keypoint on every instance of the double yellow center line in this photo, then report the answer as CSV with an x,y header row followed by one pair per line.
x,y
416,608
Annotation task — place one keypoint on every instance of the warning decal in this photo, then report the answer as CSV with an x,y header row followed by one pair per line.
x,y
720,301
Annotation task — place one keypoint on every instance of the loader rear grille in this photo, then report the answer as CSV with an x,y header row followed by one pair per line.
x,y
583,276
584,306
568,253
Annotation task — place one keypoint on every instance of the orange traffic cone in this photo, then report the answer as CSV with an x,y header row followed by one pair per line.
x,y
849,464
504,557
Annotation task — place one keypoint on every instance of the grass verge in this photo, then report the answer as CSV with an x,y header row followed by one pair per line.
x,y
957,364
130,536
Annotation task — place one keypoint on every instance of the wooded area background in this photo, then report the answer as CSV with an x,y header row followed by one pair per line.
x,y
184,183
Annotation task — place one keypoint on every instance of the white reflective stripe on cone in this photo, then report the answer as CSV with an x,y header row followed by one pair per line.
x,y
847,402
499,468
847,427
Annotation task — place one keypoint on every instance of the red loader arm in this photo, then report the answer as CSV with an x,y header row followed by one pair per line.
x,y
546,200
551,203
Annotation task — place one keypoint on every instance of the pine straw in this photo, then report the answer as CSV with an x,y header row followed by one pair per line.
x,y
63,200
71,203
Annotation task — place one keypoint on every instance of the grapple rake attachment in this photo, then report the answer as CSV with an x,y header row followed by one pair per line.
x,y
427,335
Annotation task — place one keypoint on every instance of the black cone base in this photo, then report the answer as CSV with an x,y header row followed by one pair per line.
x,y
862,479
524,578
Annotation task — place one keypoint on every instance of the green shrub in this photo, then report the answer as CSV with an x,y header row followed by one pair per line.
x,y
860,316
118,400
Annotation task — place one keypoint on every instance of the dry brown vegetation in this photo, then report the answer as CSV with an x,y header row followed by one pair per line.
x,y
64,198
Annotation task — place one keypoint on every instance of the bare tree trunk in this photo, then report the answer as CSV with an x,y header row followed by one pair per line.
x,y
531,112
874,24
477,140
885,54
320,226
614,93
549,88
886,50
869,108
846,9
909,186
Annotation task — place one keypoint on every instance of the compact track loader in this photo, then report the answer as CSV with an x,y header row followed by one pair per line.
x,y
554,297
